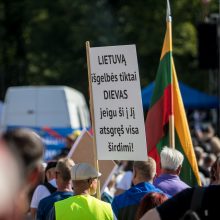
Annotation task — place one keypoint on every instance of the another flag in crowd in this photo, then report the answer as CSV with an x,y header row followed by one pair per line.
x,y
167,101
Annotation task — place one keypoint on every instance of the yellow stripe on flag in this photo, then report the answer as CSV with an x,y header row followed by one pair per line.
x,y
181,126
167,45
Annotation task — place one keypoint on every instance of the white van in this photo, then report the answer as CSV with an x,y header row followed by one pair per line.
x,y
53,111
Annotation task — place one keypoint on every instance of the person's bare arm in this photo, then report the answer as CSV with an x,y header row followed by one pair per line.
x,y
33,213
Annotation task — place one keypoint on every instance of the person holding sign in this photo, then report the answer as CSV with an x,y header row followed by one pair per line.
x,y
83,205
126,204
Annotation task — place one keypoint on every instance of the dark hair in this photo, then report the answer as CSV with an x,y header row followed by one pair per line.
x,y
129,166
149,201
214,171
26,145
50,164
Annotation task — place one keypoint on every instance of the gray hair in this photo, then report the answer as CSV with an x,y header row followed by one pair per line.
x,y
171,159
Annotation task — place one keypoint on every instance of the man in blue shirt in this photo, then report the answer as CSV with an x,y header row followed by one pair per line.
x,y
125,205
64,188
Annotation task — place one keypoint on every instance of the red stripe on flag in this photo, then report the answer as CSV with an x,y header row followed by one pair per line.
x,y
157,118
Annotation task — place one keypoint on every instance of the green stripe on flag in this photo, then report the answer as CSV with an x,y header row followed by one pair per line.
x,y
163,78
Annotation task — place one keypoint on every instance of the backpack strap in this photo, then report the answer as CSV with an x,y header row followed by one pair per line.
x,y
197,197
50,187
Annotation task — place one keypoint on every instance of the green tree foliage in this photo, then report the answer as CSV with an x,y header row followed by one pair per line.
x,y
43,41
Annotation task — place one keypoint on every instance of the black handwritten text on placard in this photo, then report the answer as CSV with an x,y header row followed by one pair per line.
x,y
111,77
112,59
117,103
120,130
121,112
120,147
115,94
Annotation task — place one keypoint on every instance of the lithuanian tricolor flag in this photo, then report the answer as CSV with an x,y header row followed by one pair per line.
x,y
167,103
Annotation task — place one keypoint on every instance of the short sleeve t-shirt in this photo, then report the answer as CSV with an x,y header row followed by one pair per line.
x,y
40,192
126,181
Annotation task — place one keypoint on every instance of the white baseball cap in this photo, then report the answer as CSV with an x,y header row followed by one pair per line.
x,y
84,171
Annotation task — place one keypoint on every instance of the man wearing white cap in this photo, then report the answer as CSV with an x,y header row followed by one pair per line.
x,y
83,205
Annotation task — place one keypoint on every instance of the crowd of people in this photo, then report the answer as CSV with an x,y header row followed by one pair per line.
x,y
61,189
206,145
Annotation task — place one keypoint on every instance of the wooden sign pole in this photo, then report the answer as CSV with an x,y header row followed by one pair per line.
x,y
92,115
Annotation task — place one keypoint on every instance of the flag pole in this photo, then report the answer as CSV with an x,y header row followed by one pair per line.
x,y
171,117
171,132
92,116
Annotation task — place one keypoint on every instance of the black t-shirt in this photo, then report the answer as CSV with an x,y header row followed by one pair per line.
x,y
175,207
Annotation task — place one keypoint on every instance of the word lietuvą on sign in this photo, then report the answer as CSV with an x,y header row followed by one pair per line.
x,y
117,103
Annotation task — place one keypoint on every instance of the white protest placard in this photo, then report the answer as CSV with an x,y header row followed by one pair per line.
x,y
118,111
